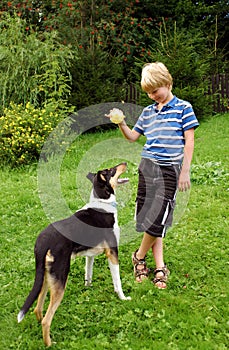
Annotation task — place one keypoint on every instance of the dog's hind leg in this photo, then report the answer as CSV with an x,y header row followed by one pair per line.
x,y
40,302
56,296
49,259
89,270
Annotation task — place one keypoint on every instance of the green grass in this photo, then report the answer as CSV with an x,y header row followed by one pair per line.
x,y
192,313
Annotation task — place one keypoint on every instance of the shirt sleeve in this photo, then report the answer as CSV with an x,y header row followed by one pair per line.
x,y
139,125
189,119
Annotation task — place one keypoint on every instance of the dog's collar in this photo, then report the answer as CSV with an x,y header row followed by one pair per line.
x,y
110,207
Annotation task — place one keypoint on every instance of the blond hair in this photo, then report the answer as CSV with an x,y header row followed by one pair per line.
x,y
155,75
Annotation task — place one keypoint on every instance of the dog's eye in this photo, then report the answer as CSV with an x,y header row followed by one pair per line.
x,y
113,171
104,173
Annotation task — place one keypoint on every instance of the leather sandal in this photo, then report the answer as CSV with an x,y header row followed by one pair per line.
x,y
140,269
160,281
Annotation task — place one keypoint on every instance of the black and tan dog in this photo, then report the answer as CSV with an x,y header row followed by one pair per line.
x,y
92,230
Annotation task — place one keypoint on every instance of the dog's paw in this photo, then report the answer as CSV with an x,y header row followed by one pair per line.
x,y
123,297
87,283
20,316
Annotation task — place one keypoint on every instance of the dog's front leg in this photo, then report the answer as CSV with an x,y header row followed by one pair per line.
x,y
114,268
89,270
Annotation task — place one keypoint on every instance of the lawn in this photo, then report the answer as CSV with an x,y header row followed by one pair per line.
x,y
192,313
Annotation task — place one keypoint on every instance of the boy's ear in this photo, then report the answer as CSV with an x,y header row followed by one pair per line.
x,y
90,176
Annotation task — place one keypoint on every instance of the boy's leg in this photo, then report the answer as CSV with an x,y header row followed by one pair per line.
x,y
156,243
147,243
157,250
138,258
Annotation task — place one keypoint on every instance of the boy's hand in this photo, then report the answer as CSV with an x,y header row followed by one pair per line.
x,y
184,182
116,115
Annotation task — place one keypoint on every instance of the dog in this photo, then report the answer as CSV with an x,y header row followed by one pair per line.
x,y
90,231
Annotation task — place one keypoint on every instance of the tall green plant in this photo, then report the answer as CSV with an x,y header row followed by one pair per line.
x,y
188,59
33,69
97,78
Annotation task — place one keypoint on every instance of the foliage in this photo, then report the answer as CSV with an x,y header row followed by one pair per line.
x,y
124,31
24,131
112,34
188,60
122,26
99,78
209,173
211,18
33,69
190,314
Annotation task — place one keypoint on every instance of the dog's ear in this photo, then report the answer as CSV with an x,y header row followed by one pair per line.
x,y
101,176
90,176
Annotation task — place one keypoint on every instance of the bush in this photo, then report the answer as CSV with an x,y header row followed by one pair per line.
x,y
97,77
24,131
34,67
188,59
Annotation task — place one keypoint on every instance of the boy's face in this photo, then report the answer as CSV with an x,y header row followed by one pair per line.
x,y
161,95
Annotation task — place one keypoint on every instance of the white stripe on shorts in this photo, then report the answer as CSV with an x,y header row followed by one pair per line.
x,y
167,210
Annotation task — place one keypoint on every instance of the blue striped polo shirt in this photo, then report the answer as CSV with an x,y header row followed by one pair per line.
x,y
164,130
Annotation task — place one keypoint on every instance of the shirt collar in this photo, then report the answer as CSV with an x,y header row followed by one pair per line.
x,y
170,104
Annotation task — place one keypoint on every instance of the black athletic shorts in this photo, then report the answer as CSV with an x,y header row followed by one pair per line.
x,y
155,202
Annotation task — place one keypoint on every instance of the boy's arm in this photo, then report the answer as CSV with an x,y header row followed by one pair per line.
x,y
130,135
184,179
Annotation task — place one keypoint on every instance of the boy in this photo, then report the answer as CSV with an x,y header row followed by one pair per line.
x,y
168,126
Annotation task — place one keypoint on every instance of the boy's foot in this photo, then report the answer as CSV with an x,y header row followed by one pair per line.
x,y
160,277
141,271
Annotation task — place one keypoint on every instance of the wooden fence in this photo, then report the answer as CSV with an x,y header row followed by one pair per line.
x,y
218,89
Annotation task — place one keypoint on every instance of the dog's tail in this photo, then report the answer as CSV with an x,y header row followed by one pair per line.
x,y
39,278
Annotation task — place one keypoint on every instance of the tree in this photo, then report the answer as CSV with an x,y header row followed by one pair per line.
x,y
124,31
32,69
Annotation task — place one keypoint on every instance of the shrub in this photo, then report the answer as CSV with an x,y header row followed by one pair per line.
x,y
34,67
24,131
188,59
97,77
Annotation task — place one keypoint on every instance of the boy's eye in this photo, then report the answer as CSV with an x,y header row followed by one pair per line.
x,y
152,92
